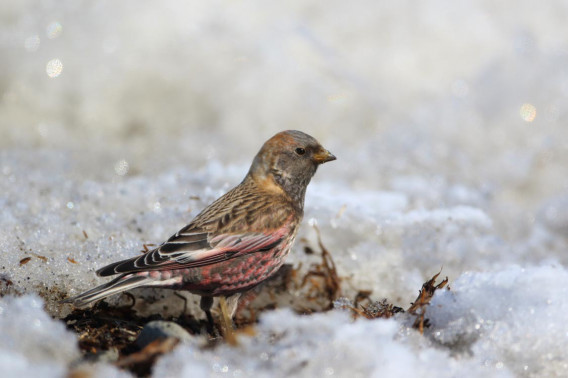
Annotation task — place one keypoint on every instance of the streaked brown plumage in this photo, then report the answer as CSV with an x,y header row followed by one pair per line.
x,y
239,240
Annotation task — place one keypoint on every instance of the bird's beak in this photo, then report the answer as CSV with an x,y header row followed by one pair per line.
x,y
323,156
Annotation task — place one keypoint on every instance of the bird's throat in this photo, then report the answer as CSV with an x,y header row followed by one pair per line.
x,y
294,188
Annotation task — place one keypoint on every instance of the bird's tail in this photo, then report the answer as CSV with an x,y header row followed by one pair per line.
x,y
118,285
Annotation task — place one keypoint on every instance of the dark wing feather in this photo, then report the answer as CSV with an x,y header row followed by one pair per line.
x,y
181,256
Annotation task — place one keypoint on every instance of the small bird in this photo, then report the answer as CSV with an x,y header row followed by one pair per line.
x,y
235,243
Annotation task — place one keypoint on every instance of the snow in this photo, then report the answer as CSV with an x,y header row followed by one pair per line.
x,y
521,325
287,344
120,121
32,342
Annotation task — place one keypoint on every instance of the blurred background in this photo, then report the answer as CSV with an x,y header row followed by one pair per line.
x,y
186,81
430,104
455,90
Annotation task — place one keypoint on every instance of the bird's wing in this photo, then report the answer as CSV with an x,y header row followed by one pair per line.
x,y
190,250
235,227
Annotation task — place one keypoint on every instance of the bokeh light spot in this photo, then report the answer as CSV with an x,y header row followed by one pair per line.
x,y
528,112
31,44
42,129
121,167
157,207
54,68
338,97
54,30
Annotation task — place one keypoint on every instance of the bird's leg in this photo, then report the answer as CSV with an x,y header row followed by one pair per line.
x,y
206,303
227,322
232,304
184,299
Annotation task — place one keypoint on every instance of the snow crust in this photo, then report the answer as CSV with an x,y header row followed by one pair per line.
x,y
32,342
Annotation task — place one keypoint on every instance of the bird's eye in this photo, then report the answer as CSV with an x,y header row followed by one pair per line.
x,y
300,151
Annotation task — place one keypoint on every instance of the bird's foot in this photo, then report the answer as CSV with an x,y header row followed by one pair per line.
x,y
227,323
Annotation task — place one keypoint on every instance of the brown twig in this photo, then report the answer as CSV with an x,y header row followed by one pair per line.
x,y
418,307
327,271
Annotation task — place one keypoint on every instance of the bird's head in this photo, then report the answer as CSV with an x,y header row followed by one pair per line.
x,y
289,159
